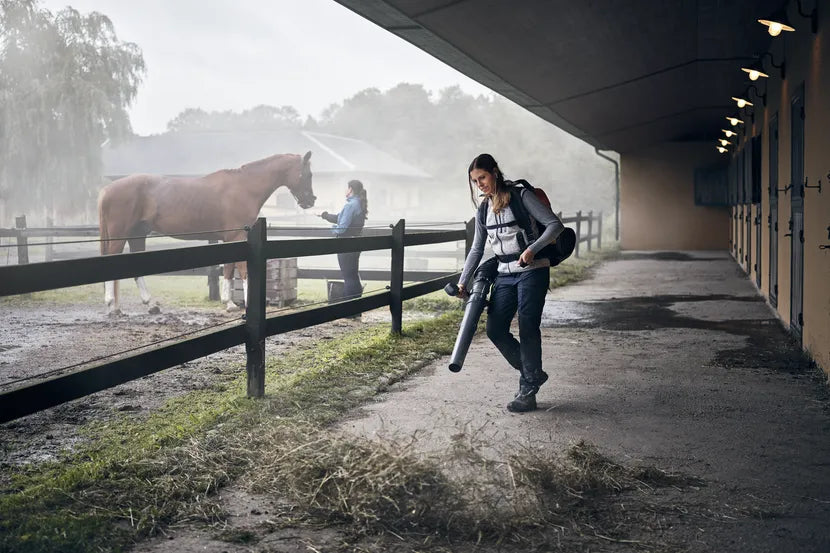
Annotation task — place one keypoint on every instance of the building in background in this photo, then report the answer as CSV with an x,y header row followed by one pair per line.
x,y
396,189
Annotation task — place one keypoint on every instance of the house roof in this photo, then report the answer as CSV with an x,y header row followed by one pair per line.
x,y
619,75
200,153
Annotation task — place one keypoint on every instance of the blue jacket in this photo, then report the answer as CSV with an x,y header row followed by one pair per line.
x,y
349,221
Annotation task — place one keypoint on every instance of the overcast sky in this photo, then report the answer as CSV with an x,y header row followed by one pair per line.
x,y
236,54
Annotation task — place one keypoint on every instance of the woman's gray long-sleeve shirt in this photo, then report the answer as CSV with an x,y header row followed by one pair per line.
x,y
507,239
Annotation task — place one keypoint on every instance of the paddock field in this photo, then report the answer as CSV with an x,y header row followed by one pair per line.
x,y
66,328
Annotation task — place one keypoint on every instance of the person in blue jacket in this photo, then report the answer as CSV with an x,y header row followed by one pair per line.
x,y
349,222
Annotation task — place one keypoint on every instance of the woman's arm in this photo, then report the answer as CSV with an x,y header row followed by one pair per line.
x,y
473,258
330,217
553,226
346,218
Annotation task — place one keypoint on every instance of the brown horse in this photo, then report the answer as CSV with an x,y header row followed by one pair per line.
x,y
217,206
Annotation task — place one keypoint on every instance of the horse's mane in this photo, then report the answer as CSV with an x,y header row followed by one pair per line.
x,y
258,164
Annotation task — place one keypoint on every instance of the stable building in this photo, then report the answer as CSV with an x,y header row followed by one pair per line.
x,y
661,83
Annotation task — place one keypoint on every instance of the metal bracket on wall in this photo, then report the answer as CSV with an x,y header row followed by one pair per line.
x,y
785,189
813,186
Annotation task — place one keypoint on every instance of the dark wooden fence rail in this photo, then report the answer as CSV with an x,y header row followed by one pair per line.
x,y
34,277
256,326
21,234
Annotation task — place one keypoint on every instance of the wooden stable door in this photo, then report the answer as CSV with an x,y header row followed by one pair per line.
x,y
797,214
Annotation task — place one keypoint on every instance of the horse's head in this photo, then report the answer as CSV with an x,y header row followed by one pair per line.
x,y
301,188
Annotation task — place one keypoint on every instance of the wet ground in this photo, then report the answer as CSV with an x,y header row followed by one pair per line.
x,y
669,359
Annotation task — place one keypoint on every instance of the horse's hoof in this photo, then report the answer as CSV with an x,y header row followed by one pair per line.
x,y
155,310
113,313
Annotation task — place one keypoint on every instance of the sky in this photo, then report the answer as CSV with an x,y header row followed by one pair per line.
x,y
236,54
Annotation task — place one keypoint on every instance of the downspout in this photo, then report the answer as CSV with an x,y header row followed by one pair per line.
x,y
616,192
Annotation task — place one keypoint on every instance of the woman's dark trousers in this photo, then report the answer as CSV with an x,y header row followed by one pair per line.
x,y
349,263
524,292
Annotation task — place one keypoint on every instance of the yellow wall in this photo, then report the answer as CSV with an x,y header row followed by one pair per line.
x,y
807,57
656,191
657,210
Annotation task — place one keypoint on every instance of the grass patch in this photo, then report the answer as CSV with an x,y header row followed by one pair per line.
x,y
138,477
172,291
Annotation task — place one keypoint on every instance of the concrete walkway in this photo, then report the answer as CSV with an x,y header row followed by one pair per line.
x,y
668,359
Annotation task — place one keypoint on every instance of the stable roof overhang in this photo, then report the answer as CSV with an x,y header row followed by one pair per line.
x,y
621,75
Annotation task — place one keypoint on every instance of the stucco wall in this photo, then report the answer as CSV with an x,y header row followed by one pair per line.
x,y
657,209
807,58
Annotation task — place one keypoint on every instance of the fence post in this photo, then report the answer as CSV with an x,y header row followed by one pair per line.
x,y
396,277
255,310
49,252
22,241
599,231
213,278
578,232
590,227
470,228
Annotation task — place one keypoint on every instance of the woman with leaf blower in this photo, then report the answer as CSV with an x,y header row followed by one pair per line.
x,y
518,226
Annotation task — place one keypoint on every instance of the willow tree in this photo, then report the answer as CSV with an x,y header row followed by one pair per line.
x,y
65,84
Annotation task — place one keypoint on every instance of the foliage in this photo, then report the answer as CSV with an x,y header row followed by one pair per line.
x,y
65,83
442,134
439,134
259,118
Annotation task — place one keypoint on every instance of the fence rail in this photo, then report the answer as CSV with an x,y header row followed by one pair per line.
x,y
28,277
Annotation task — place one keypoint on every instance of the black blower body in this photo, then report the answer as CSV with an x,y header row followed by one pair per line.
x,y
483,279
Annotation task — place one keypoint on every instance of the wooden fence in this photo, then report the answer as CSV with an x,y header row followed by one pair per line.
x,y
252,331
588,228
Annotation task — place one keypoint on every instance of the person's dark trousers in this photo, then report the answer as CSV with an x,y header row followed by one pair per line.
x,y
524,292
349,263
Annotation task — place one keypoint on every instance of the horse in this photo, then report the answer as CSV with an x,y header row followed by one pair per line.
x,y
213,207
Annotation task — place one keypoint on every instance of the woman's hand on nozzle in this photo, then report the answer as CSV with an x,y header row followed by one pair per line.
x,y
462,291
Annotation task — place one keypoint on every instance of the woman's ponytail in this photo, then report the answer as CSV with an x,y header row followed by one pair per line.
x,y
360,192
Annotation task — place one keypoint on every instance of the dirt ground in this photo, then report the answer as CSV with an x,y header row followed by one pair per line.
x,y
670,360
45,336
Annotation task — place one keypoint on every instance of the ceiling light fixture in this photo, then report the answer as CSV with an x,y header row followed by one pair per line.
x,y
728,133
777,22
734,121
742,102
724,142
755,71
722,150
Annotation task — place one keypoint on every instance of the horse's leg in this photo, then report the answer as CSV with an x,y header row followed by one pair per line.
x,y
111,286
225,293
139,244
242,267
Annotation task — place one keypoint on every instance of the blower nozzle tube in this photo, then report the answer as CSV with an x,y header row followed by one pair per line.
x,y
477,301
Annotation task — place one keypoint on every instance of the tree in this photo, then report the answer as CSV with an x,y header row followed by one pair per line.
x,y
259,118
65,84
441,135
